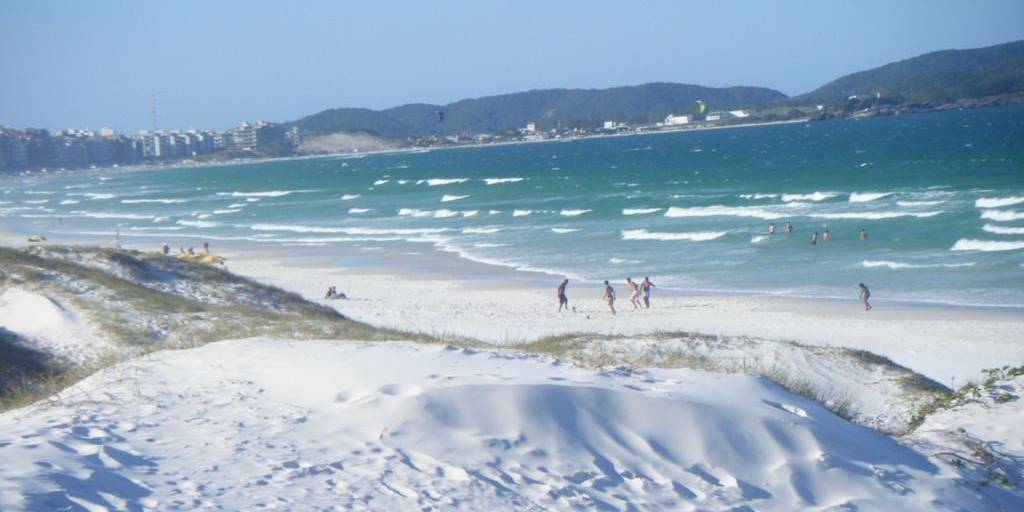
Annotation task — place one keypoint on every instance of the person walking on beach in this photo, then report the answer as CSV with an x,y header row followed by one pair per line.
x,y
771,228
865,294
609,295
646,288
563,301
863,234
206,247
634,297
814,238
789,228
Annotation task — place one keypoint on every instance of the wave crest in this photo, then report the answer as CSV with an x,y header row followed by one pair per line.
x,y
696,236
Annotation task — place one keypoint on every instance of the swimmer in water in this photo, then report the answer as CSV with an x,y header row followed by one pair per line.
x,y
771,228
814,238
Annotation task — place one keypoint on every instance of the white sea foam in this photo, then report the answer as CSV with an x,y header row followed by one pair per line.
x,y
621,261
156,228
436,182
480,231
37,201
573,213
470,213
413,212
521,213
70,201
493,212
447,198
161,201
897,265
358,210
268,193
724,211
252,199
104,215
380,182
872,215
98,196
968,244
863,197
499,181
814,196
758,239
918,203
198,223
1002,215
640,211
1003,230
349,197
229,210
562,231
696,236
758,196
348,231
444,213
236,205
997,202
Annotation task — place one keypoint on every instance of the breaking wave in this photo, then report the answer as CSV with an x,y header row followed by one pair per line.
x,y
1002,215
897,265
436,182
521,213
1002,230
996,202
198,223
358,210
349,197
814,196
499,181
480,231
969,244
723,211
573,213
873,215
562,231
697,236
161,201
640,211
449,198
863,197
268,193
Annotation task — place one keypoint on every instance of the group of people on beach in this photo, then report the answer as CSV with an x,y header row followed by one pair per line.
x,y
639,291
825,236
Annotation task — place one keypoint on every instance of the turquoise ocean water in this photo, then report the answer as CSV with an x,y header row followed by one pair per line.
x,y
941,196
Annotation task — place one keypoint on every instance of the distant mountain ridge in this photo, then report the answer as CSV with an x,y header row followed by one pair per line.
x,y
935,78
921,82
548,108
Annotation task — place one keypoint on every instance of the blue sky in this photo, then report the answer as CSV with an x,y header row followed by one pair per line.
x,y
213,64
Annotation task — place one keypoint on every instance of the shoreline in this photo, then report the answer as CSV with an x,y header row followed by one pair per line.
x,y
439,293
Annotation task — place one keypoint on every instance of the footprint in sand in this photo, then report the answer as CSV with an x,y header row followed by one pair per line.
x,y
400,390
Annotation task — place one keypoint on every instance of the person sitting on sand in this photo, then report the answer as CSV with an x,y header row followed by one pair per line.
x,y
563,301
863,234
330,292
609,295
771,228
646,288
789,229
865,294
634,297
814,238
191,250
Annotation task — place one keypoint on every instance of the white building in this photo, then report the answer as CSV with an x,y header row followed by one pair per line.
x,y
531,127
610,125
739,114
674,120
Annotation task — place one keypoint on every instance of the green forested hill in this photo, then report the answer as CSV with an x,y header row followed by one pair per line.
x,y
547,107
935,78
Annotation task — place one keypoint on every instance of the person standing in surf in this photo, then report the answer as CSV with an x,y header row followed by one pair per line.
x,y
789,228
814,238
863,234
646,288
563,300
825,237
609,296
865,294
634,297
771,228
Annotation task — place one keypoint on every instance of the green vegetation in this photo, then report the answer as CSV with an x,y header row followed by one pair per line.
x,y
147,302
568,108
931,79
